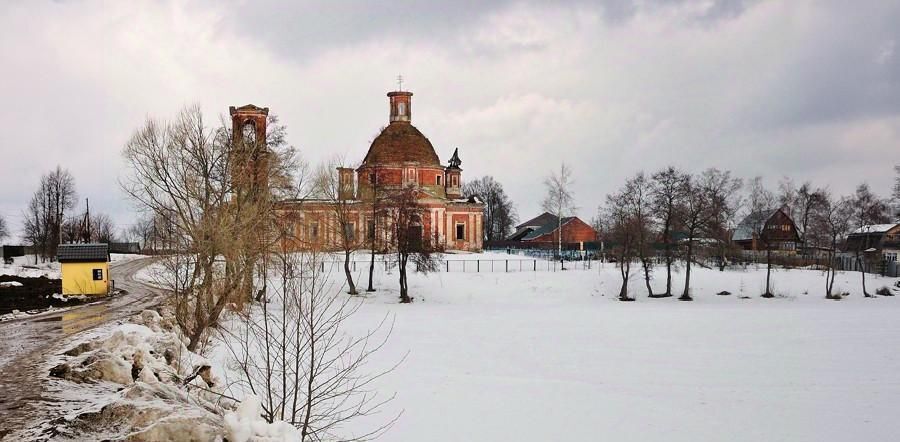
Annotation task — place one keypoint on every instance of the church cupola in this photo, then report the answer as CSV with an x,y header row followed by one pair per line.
x,y
453,181
401,106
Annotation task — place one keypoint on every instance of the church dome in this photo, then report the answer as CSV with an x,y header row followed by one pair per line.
x,y
401,142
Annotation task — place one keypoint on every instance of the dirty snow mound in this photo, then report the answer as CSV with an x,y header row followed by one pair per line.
x,y
169,393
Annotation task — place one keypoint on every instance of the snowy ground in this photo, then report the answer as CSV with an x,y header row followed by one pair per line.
x,y
552,355
25,267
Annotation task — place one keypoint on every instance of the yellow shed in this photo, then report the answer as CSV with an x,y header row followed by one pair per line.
x,y
84,268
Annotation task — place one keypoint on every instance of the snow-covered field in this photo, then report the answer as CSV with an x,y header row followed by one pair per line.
x,y
553,356
25,267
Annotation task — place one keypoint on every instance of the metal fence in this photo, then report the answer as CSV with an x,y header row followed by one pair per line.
x,y
471,265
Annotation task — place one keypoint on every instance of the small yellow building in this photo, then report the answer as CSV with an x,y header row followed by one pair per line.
x,y
84,268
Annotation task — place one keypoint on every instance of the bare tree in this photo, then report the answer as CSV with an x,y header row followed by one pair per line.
x,y
868,210
622,232
667,191
409,239
293,352
36,224
343,208
637,197
376,213
559,200
46,212
695,215
831,218
209,188
800,203
761,203
4,230
724,199
896,194
499,212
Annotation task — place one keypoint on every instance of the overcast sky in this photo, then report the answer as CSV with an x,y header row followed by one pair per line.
x,y
806,89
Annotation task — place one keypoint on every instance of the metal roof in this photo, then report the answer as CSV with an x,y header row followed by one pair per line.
x,y
547,228
875,228
82,252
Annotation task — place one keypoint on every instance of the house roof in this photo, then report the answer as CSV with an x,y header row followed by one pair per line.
x,y
875,228
538,221
547,228
94,252
744,230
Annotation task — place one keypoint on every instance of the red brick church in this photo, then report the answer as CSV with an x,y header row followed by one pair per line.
x,y
399,157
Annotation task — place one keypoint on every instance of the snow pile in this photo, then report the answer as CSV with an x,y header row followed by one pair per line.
x,y
169,393
245,424
11,284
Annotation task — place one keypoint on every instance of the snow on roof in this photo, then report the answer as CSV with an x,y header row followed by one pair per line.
x,y
875,228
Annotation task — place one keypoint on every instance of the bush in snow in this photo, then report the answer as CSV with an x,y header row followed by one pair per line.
x,y
291,351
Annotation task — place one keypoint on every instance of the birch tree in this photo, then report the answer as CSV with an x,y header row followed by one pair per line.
x,y
560,201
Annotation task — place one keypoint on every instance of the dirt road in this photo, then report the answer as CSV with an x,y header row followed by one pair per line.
x,y
26,343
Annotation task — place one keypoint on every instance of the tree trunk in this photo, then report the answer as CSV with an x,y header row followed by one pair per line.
x,y
404,289
768,293
562,264
349,275
371,269
647,277
668,273
686,294
862,272
624,270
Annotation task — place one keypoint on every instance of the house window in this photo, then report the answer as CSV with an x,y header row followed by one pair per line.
x,y
372,178
460,231
454,181
411,175
437,180
98,274
890,256
314,230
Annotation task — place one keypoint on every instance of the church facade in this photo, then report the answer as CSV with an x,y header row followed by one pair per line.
x,y
400,157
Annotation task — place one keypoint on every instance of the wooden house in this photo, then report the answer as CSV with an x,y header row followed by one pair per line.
x,y
768,229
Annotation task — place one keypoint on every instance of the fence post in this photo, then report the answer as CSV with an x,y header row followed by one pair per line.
x,y
477,266
448,265
535,265
507,266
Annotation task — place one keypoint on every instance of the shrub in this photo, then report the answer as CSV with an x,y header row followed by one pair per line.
x,y
884,291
